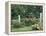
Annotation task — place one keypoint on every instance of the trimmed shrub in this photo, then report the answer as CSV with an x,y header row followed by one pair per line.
x,y
28,22
16,24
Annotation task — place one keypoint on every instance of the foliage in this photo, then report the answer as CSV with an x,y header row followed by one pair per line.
x,y
25,11
28,22
16,24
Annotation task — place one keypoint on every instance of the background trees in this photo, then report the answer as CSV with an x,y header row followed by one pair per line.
x,y
25,11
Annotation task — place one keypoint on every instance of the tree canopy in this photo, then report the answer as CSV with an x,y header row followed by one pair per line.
x,y
25,11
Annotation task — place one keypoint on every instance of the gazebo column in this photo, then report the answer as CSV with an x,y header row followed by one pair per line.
x,y
19,18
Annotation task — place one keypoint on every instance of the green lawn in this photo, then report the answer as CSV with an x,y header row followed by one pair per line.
x,y
29,28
